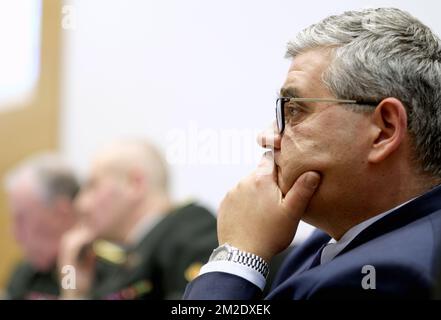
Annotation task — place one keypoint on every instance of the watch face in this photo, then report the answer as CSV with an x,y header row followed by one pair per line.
x,y
219,254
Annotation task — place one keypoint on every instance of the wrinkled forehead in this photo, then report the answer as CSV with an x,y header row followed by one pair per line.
x,y
105,161
305,75
104,169
99,165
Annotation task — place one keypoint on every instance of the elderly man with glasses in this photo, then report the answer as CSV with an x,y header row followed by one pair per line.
x,y
356,152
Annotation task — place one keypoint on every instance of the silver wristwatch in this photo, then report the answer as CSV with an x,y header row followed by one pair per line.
x,y
226,252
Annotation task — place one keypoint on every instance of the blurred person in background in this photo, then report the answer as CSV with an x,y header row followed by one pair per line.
x,y
132,243
40,193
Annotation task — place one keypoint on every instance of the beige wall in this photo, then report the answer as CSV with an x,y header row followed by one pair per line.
x,y
31,127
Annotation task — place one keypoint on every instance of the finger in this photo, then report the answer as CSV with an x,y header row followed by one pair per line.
x,y
297,198
266,165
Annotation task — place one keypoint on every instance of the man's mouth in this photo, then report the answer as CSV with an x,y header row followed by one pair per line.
x,y
278,174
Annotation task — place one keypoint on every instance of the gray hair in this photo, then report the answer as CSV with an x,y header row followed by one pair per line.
x,y
49,173
379,53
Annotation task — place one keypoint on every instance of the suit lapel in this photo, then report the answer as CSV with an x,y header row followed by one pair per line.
x,y
408,213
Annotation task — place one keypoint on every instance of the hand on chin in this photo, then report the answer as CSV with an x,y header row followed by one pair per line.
x,y
258,217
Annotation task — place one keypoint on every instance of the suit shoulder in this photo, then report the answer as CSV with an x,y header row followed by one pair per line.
x,y
192,213
189,222
401,264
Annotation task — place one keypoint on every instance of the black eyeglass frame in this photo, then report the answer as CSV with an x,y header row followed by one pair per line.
x,y
280,106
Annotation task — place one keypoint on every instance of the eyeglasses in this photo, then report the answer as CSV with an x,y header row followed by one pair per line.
x,y
281,104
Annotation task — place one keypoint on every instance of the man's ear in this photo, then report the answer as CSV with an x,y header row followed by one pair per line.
x,y
389,124
138,181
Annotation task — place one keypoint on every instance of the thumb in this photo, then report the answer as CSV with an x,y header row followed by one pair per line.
x,y
266,166
297,198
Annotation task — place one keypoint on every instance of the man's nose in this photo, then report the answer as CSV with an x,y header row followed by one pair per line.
x,y
270,138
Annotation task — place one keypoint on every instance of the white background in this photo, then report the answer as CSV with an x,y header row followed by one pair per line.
x,y
19,63
154,68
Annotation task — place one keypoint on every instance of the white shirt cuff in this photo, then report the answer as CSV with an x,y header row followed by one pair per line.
x,y
236,269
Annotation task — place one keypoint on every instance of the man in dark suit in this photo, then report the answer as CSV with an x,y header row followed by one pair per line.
x,y
132,243
356,153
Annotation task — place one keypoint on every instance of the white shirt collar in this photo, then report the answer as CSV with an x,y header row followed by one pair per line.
x,y
334,247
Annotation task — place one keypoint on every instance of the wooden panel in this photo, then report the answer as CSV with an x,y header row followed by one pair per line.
x,y
31,127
